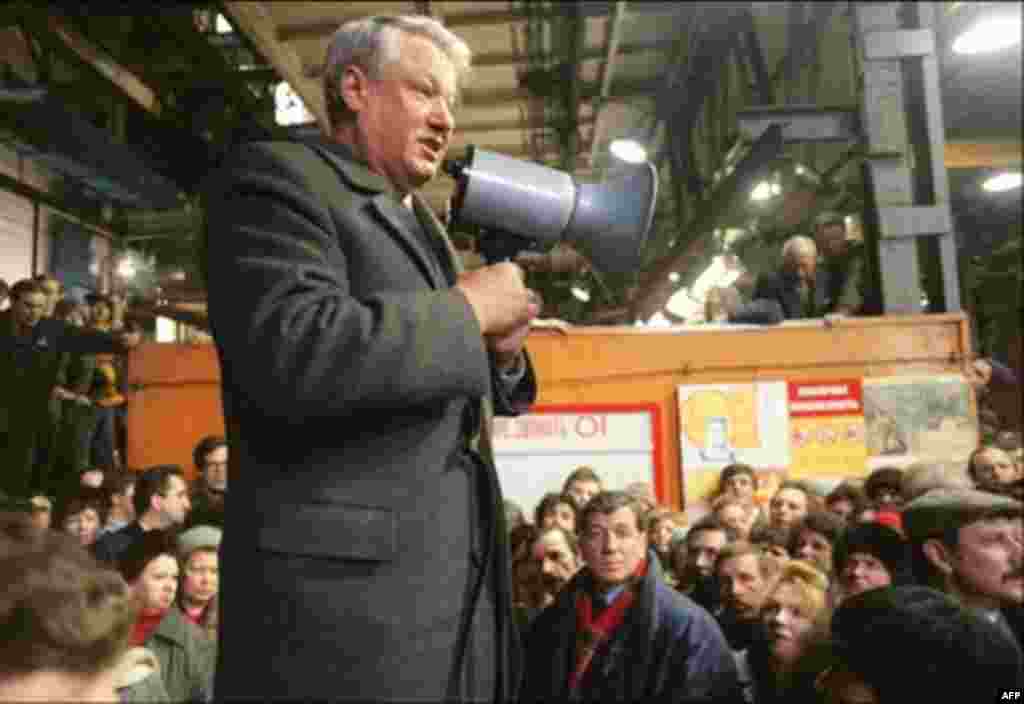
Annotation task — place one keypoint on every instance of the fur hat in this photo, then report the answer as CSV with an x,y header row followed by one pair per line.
x,y
916,644
879,541
883,478
940,509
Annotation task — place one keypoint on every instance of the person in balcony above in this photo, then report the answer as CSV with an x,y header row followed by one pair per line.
x,y
791,293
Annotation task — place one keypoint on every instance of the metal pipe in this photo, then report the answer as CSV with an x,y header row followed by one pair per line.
x,y
607,72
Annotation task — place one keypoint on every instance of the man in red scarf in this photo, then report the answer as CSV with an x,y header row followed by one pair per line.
x,y
618,632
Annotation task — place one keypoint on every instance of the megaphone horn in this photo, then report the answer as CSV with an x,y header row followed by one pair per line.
x,y
608,221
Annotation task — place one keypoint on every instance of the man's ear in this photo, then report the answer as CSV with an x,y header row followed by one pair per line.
x,y
354,89
938,555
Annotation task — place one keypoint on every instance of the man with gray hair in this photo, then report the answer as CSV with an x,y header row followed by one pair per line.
x,y
365,551
788,294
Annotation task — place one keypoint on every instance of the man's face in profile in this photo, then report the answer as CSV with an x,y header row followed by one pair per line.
x,y
405,117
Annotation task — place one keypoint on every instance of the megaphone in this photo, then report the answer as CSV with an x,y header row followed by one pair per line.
x,y
519,204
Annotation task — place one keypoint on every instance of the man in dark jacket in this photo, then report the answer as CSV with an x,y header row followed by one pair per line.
x,y
618,632
33,349
794,291
365,554
211,461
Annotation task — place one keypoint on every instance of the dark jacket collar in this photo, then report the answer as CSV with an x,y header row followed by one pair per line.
x,y
385,202
355,171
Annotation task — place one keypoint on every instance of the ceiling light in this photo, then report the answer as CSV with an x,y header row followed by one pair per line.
x,y
762,191
581,294
222,26
126,269
628,150
989,35
1005,181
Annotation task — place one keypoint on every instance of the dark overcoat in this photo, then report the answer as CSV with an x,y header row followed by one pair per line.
x,y
364,550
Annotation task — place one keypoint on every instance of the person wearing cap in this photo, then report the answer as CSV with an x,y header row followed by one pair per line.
x,y
970,544
884,488
914,644
869,556
200,577
921,477
841,267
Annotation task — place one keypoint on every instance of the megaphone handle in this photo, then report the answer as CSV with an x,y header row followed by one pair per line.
x,y
496,246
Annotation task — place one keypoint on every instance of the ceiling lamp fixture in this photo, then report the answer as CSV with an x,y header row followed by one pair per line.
x,y
222,26
765,190
628,150
1005,181
126,269
990,34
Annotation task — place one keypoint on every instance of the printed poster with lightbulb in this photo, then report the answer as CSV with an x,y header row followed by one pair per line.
x,y
792,429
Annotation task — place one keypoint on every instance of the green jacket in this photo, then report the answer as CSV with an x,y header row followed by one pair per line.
x,y
138,678
187,658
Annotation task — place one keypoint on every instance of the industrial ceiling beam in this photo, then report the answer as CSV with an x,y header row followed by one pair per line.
x,y
99,60
312,29
254,19
981,154
625,88
608,72
508,58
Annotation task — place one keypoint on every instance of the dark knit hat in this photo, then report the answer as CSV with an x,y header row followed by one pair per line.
x,y
917,644
879,541
883,478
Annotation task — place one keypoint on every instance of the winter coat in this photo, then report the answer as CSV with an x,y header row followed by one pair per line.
x,y
667,649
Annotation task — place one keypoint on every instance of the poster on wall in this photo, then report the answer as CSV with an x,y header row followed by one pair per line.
x,y
723,424
827,429
918,418
535,452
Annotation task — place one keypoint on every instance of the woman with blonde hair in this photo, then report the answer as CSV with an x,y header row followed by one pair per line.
x,y
786,662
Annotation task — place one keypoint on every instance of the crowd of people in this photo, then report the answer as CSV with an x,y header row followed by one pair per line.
x,y
119,578
907,585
